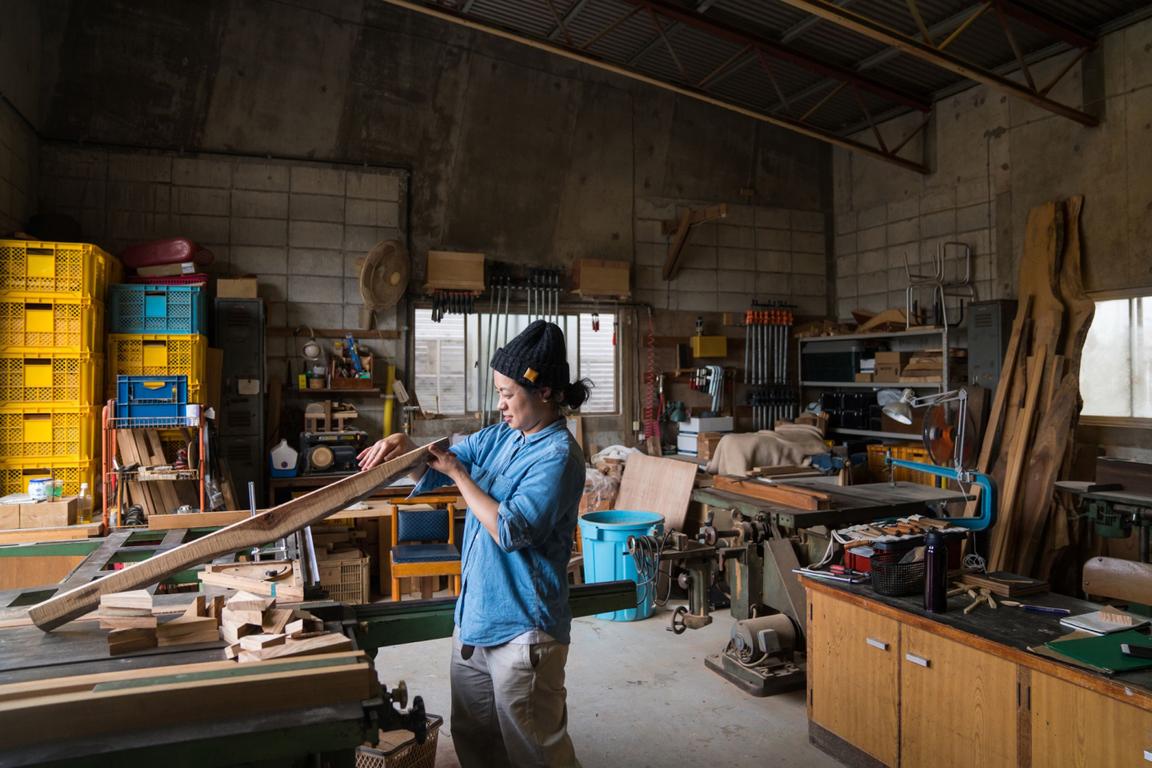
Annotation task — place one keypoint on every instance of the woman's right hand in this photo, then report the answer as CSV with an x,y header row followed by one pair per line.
x,y
382,450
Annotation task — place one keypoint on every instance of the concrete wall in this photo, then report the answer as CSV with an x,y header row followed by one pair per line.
x,y
994,157
20,103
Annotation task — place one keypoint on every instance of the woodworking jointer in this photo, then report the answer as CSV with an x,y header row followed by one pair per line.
x,y
1114,512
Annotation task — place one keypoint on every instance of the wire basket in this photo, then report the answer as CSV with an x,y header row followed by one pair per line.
x,y
897,579
405,754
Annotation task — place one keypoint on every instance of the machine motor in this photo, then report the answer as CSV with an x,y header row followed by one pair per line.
x,y
331,452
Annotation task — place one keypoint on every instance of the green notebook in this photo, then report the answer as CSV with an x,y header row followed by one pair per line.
x,y
1104,651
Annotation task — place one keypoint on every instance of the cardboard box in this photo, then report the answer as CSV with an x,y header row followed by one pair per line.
x,y
50,514
707,424
886,373
9,516
595,277
890,359
237,288
864,378
455,271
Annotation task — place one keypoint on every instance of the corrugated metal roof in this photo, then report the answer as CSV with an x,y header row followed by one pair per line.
x,y
636,44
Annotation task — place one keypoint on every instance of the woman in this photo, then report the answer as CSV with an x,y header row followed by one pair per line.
x,y
522,480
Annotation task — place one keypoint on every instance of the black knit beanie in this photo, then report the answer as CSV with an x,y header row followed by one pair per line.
x,y
537,357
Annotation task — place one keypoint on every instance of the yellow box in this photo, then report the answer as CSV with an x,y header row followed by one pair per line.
x,y
15,474
132,354
47,377
34,322
75,270
455,271
610,279
709,346
48,432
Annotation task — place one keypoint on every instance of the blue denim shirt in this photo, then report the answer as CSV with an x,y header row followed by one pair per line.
x,y
520,583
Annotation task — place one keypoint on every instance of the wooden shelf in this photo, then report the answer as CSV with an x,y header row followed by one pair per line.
x,y
925,331
872,384
375,391
882,435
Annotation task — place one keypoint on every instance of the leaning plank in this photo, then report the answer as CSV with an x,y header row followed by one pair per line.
x,y
274,524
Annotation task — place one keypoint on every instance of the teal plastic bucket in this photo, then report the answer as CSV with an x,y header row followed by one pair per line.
x,y
604,537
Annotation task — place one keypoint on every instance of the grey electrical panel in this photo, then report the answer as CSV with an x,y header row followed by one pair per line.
x,y
989,327
239,333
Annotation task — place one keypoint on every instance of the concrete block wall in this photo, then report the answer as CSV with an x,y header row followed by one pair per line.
x,y
18,170
300,227
993,158
755,253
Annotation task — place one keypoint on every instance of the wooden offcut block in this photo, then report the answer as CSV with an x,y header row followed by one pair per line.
x,y
598,278
455,271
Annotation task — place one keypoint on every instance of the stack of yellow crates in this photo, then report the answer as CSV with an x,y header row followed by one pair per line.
x,y
51,361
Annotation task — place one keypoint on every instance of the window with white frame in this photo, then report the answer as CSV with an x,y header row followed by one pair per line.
x,y
1116,365
452,355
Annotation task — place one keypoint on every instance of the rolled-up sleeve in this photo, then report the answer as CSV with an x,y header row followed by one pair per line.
x,y
527,516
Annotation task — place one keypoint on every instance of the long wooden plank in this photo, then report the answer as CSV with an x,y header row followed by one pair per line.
x,y
766,492
274,524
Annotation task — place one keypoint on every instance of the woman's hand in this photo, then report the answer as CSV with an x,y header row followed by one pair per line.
x,y
382,450
445,462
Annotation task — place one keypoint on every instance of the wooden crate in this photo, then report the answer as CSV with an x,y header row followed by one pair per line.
x,y
455,271
609,279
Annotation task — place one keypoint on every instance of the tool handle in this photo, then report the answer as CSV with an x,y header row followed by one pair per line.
x,y
1046,609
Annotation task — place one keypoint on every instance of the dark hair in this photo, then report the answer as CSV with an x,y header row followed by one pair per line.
x,y
574,395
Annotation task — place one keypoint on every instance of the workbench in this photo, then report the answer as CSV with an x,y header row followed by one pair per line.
x,y
890,684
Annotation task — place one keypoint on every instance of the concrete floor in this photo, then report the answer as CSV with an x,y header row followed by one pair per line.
x,y
640,696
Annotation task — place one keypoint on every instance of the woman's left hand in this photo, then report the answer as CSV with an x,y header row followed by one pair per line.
x,y
445,462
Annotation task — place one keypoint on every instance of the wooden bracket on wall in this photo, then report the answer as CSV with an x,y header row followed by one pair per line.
x,y
682,227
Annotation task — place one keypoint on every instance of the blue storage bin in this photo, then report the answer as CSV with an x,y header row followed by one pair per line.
x,y
162,309
151,397
604,538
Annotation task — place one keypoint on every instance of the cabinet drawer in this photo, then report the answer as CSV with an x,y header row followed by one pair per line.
x,y
852,675
957,705
1079,728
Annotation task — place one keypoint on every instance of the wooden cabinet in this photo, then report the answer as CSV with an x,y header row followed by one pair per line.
x,y
853,675
957,705
1079,728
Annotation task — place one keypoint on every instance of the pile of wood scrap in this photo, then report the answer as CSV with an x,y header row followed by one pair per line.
x,y
273,578
1028,440
135,626
256,630
927,365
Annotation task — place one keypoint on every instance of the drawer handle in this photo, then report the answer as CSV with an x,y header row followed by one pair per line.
x,y
876,643
918,660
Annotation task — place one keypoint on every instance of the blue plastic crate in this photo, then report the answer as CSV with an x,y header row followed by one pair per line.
x,y
151,397
163,309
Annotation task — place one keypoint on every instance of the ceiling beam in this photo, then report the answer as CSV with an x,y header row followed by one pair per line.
x,y
569,15
786,123
1046,24
874,30
774,50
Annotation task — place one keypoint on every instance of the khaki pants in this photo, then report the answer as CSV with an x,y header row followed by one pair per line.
x,y
508,706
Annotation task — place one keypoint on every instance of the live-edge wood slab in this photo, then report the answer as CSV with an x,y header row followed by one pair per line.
x,y
268,526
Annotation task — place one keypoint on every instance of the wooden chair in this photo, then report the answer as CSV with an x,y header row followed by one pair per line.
x,y
424,545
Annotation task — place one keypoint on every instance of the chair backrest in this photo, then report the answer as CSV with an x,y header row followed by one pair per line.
x,y
1124,580
422,524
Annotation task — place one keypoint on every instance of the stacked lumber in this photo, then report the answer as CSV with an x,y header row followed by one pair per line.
x,y
256,630
1028,440
143,449
927,365
135,627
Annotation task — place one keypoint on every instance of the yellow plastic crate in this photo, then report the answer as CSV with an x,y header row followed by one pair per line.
x,y
74,270
913,453
14,475
34,322
131,354
50,377
48,433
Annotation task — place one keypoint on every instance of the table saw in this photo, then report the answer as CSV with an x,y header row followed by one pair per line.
x,y
753,546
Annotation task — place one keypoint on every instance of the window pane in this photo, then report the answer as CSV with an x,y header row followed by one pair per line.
x,y
598,362
1116,365
439,362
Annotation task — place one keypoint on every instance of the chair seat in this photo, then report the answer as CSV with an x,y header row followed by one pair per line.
x,y
427,553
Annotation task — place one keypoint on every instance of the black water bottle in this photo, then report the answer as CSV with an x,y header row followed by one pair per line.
x,y
935,573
